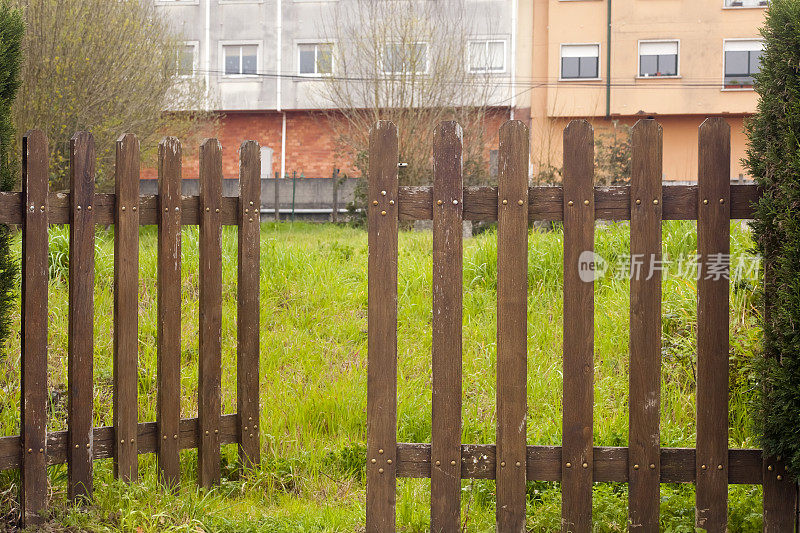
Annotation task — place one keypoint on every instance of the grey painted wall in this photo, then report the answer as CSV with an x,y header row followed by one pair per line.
x,y
255,21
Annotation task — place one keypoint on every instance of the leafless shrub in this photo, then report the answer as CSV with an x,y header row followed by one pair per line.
x,y
110,67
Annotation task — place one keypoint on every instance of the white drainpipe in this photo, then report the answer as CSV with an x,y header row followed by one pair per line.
x,y
278,66
513,57
283,145
208,53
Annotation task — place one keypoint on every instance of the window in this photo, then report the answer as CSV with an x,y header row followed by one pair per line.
x,y
240,59
487,56
405,58
658,58
580,61
746,3
316,59
187,59
742,61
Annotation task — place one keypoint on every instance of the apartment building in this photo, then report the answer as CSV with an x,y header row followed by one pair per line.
x,y
263,62
677,61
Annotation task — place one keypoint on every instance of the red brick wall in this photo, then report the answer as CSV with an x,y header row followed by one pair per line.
x,y
311,148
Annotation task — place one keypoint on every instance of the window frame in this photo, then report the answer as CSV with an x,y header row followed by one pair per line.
x,y
561,62
486,41
725,86
405,72
244,42
176,2
726,6
195,59
316,44
677,59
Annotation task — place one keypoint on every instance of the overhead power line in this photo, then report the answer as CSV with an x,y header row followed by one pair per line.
x,y
655,82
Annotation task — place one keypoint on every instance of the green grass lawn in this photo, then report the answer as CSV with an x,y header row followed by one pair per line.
x,y
313,381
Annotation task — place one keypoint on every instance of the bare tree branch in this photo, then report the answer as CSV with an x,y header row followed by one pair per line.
x,y
406,61
110,67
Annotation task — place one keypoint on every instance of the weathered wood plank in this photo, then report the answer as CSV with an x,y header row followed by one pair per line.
x,y
33,397
414,460
169,306
645,327
126,307
447,317
103,448
713,248
80,343
576,507
611,203
382,328
512,322
780,497
248,315
210,341
478,461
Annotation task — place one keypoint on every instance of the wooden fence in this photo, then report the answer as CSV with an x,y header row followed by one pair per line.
x,y
577,464
82,209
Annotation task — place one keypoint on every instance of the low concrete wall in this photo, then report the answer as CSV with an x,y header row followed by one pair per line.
x,y
313,197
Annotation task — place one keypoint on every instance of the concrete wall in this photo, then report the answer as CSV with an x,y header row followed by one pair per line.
x,y
312,196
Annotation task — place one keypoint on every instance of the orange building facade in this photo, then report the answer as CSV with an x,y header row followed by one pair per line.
x,y
678,61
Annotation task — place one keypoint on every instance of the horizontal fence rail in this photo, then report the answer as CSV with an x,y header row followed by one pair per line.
x,y
104,441
577,464
478,461
81,444
609,463
413,203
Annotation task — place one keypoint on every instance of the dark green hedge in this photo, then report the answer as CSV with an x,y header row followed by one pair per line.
x,y
11,32
773,159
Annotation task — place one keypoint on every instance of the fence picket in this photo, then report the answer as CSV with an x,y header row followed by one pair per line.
x,y
644,465
210,341
780,497
33,404
382,328
80,344
126,307
576,486
713,248
512,322
169,305
780,492
447,311
248,318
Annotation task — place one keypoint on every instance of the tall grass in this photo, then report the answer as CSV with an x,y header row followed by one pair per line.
x,y
313,380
